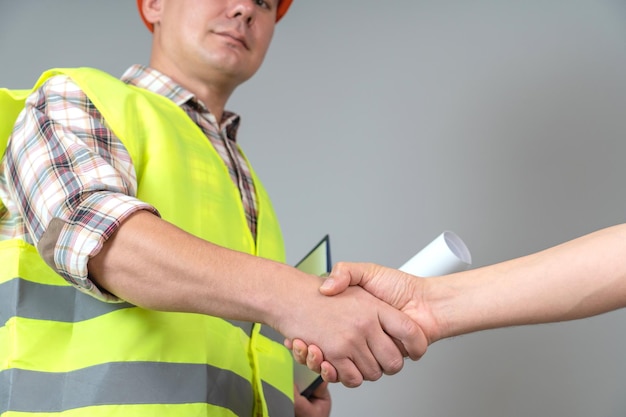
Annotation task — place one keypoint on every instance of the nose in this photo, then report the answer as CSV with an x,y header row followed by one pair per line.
x,y
242,9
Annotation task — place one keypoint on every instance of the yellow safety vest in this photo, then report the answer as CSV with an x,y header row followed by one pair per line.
x,y
64,353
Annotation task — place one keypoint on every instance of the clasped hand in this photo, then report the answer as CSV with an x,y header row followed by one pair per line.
x,y
401,292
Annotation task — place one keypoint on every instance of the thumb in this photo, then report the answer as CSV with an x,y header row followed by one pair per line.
x,y
332,286
342,276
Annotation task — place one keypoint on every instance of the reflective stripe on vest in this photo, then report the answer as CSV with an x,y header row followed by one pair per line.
x,y
134,384
104,351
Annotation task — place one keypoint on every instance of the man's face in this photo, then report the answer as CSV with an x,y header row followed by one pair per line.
x,y
217,39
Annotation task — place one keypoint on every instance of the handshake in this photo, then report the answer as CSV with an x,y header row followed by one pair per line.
x,y
377,316
407,331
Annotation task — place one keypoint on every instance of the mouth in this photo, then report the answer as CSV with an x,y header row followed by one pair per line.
x,y
235,37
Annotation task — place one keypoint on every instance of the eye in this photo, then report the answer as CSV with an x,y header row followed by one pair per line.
x,y
263,3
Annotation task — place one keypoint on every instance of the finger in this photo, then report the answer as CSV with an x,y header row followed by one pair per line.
x,y
364,358
300,351
288,344
314,359
328,372
389,356
321,392
400,347
348,373
300,402
400,326
335,285
341,277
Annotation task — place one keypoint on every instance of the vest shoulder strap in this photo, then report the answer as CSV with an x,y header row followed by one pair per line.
x,y
12,100
11,103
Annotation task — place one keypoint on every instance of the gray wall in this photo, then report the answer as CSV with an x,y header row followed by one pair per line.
x,y
384,123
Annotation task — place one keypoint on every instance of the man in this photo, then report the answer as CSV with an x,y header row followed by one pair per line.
x,y
579,278
135,193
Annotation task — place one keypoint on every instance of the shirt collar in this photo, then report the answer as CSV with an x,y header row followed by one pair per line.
x,y
153,80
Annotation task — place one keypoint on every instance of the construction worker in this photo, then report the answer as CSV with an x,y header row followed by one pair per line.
x,y
142,262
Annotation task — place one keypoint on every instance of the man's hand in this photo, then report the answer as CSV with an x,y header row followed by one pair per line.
x,y
402,291
361,336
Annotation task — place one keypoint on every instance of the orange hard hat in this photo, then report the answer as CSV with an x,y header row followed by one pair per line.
x,y
283,6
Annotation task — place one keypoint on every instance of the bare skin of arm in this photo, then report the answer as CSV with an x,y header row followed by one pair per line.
x,y
579,278
155,265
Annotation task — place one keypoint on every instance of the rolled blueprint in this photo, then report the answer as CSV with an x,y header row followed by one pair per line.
x,y
446,254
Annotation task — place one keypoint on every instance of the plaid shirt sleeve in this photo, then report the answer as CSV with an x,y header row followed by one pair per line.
x,y
72,180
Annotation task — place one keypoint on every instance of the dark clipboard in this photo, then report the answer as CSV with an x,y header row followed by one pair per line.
x,y
316,262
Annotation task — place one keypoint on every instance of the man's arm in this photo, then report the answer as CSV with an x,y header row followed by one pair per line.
x,y
580,278
156,265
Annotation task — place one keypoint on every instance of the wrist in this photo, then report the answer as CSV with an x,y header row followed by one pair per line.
x,y
291,289
441,298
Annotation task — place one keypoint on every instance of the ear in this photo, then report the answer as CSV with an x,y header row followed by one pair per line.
x,y
152,10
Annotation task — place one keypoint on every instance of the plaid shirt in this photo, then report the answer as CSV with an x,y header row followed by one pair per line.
x,y
67,181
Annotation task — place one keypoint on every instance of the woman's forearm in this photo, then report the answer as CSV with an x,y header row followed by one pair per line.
x,y
580,278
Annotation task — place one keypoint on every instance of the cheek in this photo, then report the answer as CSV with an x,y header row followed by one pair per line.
x,y
265,40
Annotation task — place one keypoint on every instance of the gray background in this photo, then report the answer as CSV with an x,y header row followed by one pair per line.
x,y
384,123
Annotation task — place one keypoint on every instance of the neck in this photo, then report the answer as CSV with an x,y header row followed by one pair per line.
x,y
213,94
213,98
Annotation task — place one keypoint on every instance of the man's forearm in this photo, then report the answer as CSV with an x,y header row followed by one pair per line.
x,y
156,265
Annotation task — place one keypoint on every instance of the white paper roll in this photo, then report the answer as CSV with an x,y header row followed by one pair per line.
x,y
446,254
